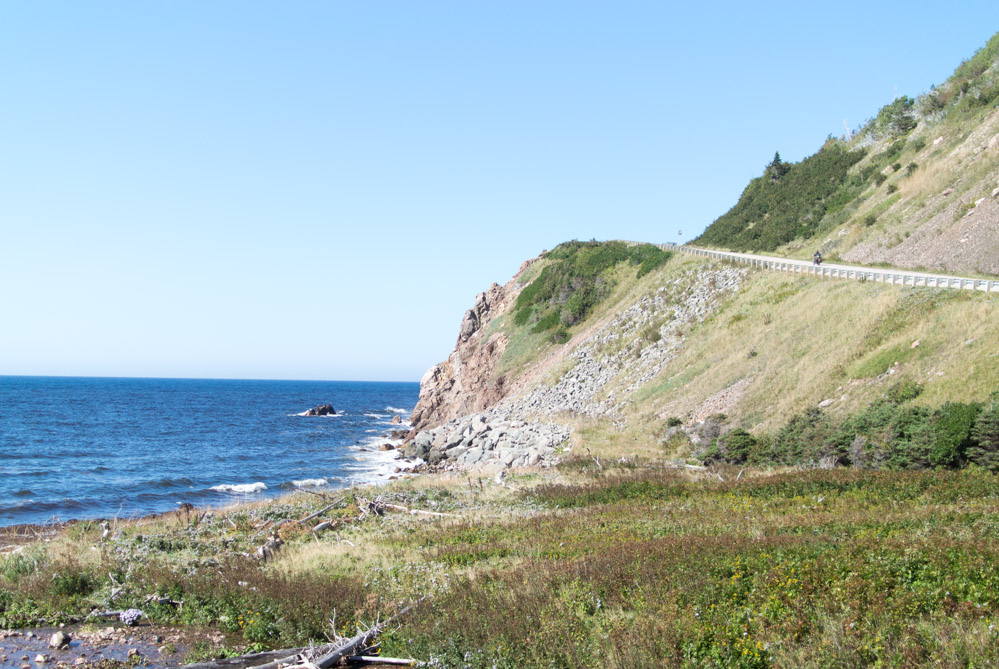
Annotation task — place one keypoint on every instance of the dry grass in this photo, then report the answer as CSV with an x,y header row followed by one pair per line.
x,y
803,340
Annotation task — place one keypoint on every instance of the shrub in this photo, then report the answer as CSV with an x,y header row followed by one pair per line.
x,y
896,117
576,280
911,168
870,220
952,423
559,336
736,446
880,178
903,391
985,451
892,188
808,437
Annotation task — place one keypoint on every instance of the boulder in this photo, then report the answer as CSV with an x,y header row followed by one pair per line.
x,y
59,640
386,447
396,420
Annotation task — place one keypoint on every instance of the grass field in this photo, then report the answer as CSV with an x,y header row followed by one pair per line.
x,y
619,564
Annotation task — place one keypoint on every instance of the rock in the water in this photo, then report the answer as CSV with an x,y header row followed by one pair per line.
x,y
321,410
386,447
396,420
59,640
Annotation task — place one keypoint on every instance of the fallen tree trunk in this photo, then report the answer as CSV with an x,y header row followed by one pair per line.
x,y
285,656
361,641
296,657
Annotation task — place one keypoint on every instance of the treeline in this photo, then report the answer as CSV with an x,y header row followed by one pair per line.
x,y
892,433
787,202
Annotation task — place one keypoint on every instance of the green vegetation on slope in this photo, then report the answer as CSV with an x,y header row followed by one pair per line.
x,y
794,203
575,280
787,202
891,433
629,565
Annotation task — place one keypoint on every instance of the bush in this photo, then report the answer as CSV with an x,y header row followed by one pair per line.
x,y
736,446
903,391
576,280
911,168
880,178
870,220
952,426
896,118
808,437
892,188
985,451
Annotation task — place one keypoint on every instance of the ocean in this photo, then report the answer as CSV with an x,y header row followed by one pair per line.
x,y
76,448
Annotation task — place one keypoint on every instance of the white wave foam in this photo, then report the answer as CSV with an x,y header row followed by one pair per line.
x,y
242,488
310,483
338,414
374,415
394,410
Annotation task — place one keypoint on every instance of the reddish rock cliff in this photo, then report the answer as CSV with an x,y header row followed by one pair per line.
x,y
466,382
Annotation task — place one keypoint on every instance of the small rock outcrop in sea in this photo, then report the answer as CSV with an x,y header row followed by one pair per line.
x,y
489,441
321,410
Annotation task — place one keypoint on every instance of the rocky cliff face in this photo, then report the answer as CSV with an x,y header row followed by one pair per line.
x,y
464,383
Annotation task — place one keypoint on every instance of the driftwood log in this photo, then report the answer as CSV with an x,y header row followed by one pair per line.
x,y
288,656
319,657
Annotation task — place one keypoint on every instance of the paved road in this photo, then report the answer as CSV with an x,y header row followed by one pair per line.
x,y
897,277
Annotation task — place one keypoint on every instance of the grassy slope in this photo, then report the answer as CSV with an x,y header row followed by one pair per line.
x,y
798,340
950,148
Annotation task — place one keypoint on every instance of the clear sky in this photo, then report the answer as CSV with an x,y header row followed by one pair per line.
x,y
317,190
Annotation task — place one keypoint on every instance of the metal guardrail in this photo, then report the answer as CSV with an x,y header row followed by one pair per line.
x,y
892,277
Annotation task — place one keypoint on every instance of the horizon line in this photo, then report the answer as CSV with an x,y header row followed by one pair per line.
x,y
188,378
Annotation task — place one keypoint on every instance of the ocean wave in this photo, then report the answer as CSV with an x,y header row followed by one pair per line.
x,y
395,410
241,488
374,415
338,414
182,482
30,505
310,483
24,492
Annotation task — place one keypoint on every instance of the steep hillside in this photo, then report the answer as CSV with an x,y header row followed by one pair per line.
x,y
917,186
631,351
673,361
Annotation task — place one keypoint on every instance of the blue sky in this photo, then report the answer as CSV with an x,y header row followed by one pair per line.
x,y
317,190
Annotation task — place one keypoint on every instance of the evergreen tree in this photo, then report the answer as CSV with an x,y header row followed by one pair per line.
x,y
985,453
776,168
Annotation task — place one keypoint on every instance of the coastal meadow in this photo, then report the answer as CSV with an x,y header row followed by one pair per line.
x,y
635,563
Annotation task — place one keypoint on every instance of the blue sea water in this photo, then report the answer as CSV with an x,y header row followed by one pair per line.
x,y
97,447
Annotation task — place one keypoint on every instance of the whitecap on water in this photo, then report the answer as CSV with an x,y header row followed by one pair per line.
x,y
310,483
259,486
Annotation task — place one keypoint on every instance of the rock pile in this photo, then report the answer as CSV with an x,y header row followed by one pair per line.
x,y
489,440
633,348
